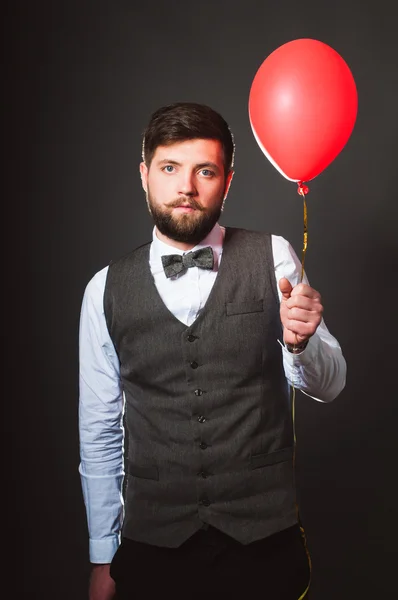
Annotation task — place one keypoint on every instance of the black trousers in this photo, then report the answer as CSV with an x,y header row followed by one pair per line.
x,y
212,565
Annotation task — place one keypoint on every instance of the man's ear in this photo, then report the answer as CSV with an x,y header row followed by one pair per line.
x,y
144,176
228,183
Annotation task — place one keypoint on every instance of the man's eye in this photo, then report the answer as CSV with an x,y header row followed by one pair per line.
x,y
168,168
207,172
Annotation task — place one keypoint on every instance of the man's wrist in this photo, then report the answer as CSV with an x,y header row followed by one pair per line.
x,y
296,348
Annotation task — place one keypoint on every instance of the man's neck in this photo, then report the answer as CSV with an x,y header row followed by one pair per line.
x,y
173,243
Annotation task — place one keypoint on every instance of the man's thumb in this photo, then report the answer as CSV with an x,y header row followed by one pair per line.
x,y
285,287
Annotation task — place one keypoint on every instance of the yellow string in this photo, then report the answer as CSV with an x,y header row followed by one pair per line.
x,y
305,243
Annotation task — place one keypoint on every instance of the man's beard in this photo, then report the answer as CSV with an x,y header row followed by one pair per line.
x,y
188,228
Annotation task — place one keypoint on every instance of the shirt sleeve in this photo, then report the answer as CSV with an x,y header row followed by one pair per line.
x,y
100,426
320,370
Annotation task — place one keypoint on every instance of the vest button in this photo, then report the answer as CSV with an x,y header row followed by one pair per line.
x,y
191,338
204,502
203,445
203,474
194,364
201,419
198,392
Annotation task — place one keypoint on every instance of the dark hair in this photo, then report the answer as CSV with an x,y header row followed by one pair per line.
x,y
187,121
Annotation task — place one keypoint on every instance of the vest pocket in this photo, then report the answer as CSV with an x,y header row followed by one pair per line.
x,y
149,472
241,308
271,458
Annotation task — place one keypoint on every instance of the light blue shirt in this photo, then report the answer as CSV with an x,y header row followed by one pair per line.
x,y
319,371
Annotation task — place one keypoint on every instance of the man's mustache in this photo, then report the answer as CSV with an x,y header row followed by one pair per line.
x,y
191,202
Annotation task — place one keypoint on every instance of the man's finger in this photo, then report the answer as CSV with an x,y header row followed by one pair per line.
x,y
304,302
302,289
300,328
285,287
300,314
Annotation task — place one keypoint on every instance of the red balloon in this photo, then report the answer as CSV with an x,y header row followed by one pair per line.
x,y
302,107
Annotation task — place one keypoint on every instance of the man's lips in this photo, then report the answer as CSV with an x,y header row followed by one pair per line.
x,y
185,205
185,208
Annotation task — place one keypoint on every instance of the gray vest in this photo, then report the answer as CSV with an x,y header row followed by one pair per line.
x,y
208,416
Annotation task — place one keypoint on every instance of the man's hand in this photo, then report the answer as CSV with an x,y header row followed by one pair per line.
x,y
102,586
301,311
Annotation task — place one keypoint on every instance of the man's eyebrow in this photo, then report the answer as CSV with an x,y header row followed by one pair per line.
x,y
167,161
208,164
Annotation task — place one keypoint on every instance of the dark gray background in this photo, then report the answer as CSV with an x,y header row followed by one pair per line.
x,y
81,81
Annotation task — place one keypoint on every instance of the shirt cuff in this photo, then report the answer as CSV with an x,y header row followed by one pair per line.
x,y
103,551
304,358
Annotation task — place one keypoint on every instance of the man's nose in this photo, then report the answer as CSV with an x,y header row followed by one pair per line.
x,y
187,184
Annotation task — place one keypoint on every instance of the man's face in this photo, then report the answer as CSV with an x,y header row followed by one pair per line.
x,y
185,187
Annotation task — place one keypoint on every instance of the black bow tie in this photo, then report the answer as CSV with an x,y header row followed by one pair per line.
x,y
173,264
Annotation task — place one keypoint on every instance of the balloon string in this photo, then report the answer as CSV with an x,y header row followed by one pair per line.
x,y
305,241
302,190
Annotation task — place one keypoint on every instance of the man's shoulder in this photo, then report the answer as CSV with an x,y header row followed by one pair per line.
x,y
99,279
256,234
241,233
95,286
131,256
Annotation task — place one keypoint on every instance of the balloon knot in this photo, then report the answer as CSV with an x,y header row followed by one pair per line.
x,y
302,189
